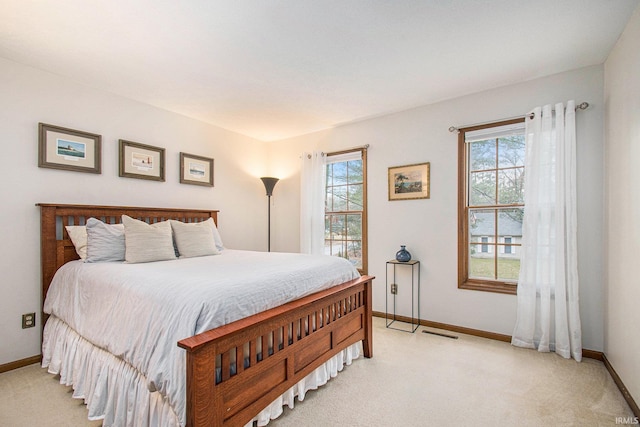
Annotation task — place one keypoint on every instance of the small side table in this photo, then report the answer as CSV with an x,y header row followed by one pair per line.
x,y
392,289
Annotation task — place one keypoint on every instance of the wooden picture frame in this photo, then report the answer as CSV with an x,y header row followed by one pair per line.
x,y
141,161
409,182
69,149
196,170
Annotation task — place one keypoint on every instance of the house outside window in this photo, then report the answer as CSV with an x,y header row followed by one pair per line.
x,y
491,205
346,207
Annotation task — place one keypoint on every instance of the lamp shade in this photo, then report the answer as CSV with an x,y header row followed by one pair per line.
x,y
269,183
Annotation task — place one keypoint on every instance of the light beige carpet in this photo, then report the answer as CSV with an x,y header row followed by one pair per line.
x,y
412,380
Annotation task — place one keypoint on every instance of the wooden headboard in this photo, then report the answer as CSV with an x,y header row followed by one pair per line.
x,y
56,247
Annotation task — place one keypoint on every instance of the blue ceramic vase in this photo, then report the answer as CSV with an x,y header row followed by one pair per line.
x,y
403,255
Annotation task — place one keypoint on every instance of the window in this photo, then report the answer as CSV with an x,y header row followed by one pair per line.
x,y
346,207
507,245
491,205
484,247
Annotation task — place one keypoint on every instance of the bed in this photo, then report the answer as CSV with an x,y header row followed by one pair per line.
x,y
234,371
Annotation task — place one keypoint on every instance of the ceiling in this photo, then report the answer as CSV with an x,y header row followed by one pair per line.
x,y
272,69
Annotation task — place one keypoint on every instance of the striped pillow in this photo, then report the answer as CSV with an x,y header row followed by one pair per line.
x,y
105,242
194,239
147,243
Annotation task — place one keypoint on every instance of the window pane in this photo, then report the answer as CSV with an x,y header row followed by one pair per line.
x,y
481,247
354,240
511,151
510,235
511,186
482,155
355,171
337,227
339,173
355,197
481,265
339,198
354,253
483,188
510,224
481,224
508,267
354,227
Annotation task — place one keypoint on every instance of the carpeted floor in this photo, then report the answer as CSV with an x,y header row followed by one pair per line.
x,y
412,380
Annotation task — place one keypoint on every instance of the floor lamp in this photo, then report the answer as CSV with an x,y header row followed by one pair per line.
x,y
269,183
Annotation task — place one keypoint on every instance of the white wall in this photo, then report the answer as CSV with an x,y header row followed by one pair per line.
x,y
622,124
29,96
429,227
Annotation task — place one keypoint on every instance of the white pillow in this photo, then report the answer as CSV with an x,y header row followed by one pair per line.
x,y
194,239
216,234
105,242
78,236
147,243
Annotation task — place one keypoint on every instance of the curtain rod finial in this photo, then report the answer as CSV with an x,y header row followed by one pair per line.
x,y
454,129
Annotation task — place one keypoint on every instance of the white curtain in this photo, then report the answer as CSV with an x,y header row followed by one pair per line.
x,y
548,285
312,188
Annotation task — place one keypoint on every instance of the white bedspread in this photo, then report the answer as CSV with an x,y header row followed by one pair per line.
x,y
138,312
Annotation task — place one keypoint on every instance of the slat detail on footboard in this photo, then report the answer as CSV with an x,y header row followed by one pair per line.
x,y
258,358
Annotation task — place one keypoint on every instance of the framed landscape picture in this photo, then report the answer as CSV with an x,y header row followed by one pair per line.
x,y
196,170
69,149
141,161
409,182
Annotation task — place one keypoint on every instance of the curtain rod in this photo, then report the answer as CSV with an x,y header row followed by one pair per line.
x,y
322,153
581,106
362,147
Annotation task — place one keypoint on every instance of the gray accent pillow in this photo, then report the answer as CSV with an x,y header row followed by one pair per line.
x,y
147,242
194,239
105,242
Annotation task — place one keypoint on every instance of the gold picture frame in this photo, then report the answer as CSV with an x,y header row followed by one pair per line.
x,y
141,161
69,149
196,170
409,182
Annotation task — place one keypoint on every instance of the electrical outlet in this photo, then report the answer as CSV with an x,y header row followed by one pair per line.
x,y
394,289
28,320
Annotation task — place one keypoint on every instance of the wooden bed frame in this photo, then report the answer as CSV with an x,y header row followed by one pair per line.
x,y
297,337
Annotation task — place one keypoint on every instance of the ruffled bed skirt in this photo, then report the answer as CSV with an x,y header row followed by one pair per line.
x,y
117,393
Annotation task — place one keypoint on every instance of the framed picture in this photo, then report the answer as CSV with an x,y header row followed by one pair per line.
x,y
69,149
141,161
409,182
196,170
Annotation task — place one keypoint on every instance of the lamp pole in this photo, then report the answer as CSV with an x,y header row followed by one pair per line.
x,y
269,183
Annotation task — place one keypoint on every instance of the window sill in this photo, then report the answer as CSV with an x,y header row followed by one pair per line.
x,y
496,287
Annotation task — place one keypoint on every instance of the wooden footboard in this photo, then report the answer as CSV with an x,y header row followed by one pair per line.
x,y
261,356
